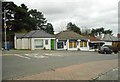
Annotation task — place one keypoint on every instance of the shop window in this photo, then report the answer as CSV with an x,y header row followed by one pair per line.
x,y
70,44
85,44
38,43
81,43
60,45
75,44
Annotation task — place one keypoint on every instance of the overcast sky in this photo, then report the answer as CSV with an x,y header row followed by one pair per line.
x,y
89,13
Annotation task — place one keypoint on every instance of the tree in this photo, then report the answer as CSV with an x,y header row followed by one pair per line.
x,y
8,17
94,32
108,31
37,19
49,28
21,17
8,13
24,19
99,31
73,27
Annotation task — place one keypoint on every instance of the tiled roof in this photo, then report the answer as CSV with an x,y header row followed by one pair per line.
x,y
108,37
36,34
19,35
68,35
91,38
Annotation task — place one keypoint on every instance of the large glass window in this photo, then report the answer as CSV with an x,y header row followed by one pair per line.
x,y
38,43
81,43
60,45
75,44
85,44
72,44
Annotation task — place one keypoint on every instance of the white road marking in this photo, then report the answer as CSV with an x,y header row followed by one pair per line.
x,y
40,57
34,54
22,56
48,54
26,54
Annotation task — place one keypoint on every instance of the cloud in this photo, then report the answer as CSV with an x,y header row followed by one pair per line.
x,y
90,13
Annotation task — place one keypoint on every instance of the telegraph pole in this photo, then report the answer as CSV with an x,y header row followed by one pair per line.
x,y
5,27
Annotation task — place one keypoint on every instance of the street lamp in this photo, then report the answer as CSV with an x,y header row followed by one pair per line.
x,y
5,26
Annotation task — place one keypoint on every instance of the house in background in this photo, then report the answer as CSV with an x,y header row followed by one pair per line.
x,y
36,39
69,40
118,36
94,43
109,39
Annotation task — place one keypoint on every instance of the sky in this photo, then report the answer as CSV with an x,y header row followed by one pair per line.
x,y
84,13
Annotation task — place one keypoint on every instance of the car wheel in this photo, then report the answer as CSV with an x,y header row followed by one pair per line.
x,y
103,52
115,52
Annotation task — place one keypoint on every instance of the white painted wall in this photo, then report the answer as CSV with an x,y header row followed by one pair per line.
x,y
15,42
108,43
44,45
28,43
18,43
32,44
48,46
84,48
25,43
72,48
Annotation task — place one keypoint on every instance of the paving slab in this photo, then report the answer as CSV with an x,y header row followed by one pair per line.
x,y
85,71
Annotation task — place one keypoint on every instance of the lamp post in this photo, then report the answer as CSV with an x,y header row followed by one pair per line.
x,y
5,27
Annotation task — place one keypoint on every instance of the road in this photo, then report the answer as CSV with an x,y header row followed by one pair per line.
x,y
20,64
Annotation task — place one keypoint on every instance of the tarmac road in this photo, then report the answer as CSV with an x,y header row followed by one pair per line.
x,y
23,64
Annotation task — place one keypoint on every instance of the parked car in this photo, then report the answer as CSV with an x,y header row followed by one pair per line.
x,y
115,49
105,50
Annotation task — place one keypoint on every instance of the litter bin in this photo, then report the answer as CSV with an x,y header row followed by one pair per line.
x,y
8,46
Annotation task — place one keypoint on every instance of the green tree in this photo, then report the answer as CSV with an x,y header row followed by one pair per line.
x,y
94,32
37,19
8,13
108,31
49,28
8,17
73,27
99,31
23,19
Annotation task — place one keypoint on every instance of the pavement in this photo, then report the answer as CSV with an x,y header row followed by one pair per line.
x,y
109,75
84,71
